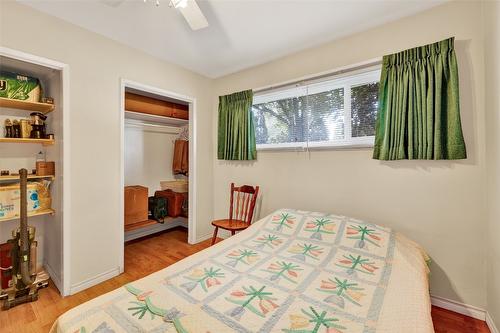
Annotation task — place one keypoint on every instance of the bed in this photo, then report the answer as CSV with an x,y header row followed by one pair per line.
x,y
292,271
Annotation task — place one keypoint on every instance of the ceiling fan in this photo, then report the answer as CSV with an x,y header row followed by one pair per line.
x,y
188,8
191,12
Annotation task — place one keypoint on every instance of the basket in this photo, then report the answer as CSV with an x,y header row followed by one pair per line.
x,y
180,186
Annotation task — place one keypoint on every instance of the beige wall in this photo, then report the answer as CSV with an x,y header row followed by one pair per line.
x,y
149,153
96,66
492,48
440,204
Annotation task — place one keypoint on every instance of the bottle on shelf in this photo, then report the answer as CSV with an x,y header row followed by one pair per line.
x,y
40,157
8,128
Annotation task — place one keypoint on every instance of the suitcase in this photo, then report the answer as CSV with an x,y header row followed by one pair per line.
x,y
185,205
175,201
157,207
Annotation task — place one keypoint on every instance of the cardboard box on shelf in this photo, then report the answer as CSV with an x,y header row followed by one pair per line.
x,y
10,205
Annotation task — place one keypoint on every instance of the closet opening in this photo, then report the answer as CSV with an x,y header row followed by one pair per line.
x,y
157,164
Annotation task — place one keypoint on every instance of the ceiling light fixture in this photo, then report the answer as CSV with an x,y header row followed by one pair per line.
x,y
178,3
173,3
189,9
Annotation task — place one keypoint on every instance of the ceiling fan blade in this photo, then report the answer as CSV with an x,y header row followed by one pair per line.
x,y
193,15
112,3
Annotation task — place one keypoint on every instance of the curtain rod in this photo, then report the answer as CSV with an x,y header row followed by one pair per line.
x,y
339,71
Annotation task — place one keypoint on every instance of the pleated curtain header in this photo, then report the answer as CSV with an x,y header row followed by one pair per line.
x,y
241,96
421,53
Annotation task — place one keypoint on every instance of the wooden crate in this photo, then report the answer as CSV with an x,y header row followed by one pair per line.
x,y
175,185
136,204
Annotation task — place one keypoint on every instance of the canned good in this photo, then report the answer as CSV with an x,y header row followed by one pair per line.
x,y
25,128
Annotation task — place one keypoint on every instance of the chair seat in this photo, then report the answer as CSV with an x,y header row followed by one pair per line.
x,y
228,224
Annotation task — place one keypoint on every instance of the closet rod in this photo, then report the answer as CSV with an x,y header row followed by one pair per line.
x,y
164,128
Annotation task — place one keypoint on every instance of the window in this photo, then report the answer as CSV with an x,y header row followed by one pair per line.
x,y
340,111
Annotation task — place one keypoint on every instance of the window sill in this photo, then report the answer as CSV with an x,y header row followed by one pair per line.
x,y
358,144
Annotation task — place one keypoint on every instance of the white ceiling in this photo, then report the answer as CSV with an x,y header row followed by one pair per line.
x,y
242,33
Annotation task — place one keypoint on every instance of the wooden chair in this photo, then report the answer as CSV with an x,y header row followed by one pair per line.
x,y
242,205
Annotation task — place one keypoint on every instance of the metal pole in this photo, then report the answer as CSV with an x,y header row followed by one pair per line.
x,y
24,233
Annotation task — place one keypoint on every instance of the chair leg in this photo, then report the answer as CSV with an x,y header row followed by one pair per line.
x,y
233,232
214,238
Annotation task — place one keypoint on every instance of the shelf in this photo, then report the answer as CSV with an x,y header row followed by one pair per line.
x,y
150,118
45,142
25,105
37,213
16,177
138,225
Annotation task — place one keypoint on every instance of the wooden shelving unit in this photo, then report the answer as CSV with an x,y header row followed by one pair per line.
x,y
138,225
28,106
37,213
16,177
45,142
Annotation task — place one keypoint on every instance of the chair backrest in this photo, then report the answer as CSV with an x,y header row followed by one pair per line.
x,y
243,199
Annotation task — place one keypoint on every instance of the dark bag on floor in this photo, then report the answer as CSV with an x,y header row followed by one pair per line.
x,y
157,207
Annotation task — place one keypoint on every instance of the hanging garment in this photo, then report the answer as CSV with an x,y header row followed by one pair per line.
x,y
180,164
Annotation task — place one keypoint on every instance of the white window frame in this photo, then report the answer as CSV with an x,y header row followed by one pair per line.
x,y
346,81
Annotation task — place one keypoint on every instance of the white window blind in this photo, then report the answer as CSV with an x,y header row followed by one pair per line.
x,y
337,111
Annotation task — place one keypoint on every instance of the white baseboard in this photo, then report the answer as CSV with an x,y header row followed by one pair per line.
x,y
221,234
465,309
204,237
56,279
94,280
491,324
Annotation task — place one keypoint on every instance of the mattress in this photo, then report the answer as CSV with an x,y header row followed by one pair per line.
x,y
292,271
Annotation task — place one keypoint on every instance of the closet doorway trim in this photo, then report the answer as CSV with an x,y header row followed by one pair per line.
x,y
125,83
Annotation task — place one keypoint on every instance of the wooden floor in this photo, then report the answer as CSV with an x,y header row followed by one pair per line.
x,y
446,321
148,255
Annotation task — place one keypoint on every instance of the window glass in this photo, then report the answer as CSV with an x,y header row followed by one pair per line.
x,y
326,115
364,104
335,112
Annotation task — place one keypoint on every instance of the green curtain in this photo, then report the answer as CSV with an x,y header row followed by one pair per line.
x,y
236,136
419,112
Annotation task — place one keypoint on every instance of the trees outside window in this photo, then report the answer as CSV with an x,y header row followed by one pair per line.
x,y
318,114
364,104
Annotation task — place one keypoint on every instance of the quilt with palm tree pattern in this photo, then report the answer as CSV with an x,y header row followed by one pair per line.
x,y
292,271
